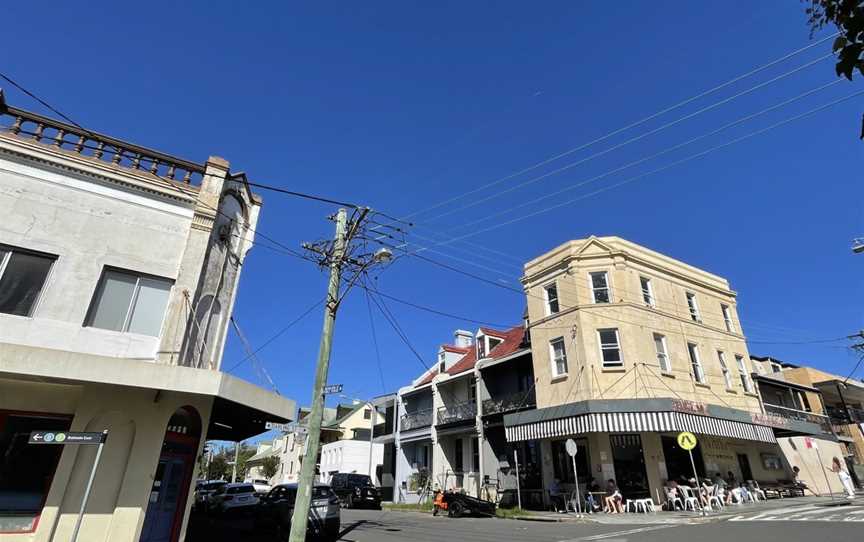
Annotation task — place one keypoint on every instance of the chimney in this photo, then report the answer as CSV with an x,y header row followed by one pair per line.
x,y
463,338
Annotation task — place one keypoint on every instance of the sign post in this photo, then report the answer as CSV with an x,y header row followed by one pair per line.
x,y
518,490
573,449
687,441
65,437
811,443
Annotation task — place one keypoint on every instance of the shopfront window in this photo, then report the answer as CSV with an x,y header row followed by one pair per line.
x,y
629,459
26,470
563,464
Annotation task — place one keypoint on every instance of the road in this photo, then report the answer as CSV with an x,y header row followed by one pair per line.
x,y
804,524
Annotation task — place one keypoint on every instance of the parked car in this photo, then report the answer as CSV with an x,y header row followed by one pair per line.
x,y
233,497
203,490
355,490
261,486
277,508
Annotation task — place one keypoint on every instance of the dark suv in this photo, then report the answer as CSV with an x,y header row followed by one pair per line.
x,y
276,510
355,490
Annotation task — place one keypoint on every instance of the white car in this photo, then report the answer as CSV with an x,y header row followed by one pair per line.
x,y
233,497
261,486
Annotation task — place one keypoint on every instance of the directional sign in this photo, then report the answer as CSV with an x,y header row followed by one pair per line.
x,y
571,447
687,440
278,426
65,437
332,388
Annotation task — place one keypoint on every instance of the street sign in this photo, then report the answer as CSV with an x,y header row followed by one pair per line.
x,y
65,437
686,440
278,426
332,388
810,443
571,447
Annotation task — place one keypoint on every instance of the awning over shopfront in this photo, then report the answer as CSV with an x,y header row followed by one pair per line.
x,y
632,415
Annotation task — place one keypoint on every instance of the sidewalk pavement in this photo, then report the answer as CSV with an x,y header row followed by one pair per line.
x,y
678,517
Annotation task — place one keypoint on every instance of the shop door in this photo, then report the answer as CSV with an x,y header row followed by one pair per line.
x,y
678,465
629,461
744,464
162,508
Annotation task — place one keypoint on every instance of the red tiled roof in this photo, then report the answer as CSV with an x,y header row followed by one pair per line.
x,y
493,332
466,363
427,379
512,339
455,349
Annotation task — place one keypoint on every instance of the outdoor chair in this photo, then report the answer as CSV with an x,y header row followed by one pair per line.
x,y
757,494
716,497
691,501
673,500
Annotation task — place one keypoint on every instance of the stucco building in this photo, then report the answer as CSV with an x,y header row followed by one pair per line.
x,y
118,273
629,348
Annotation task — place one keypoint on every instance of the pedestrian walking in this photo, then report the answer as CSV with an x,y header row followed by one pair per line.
x,y
845,479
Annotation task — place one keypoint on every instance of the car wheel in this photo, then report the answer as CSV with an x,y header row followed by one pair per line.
x,y
455,510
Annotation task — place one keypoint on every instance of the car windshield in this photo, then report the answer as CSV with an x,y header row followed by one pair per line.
x,y
240,489
360,480
213,486
318,492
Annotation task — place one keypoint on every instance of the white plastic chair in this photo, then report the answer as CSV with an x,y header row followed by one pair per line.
x,y
673,499
758,494
691,501
716,497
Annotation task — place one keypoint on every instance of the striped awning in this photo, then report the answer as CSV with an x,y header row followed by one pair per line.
x,y
618,422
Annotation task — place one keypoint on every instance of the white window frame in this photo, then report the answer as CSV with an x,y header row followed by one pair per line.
x,y
664,355
591,286
649,292
554,360
4,262
133,302
617,346
727,317
742,370
546,288
693,307
698,370
727,376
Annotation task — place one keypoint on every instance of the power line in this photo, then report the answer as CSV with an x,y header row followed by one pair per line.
x,y
498,193
395,326
627,127
375,341
41,101
302,195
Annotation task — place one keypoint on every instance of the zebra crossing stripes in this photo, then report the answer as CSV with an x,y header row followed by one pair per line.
x,y
836,513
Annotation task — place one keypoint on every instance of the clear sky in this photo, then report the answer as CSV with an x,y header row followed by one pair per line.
x,y
402,105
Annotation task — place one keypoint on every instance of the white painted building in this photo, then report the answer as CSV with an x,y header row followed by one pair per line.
x,y
118,273
350,456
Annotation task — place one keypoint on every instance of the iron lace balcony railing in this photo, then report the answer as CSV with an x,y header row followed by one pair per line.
x,y
416,420
800,415
458,412
509,403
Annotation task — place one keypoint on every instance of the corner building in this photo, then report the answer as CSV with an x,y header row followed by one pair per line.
x,y
629,348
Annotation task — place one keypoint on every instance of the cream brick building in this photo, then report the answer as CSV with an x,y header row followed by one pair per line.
x,y
629,348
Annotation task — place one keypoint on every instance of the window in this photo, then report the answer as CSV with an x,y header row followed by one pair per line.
x,y
742,371
367,414
493,342
610,351
775,367
727,317
559,357
26,471
694,308
481,347
131,302
562,464
551,293
458,464
475,455
441,367
599,283
696,363
727,377
647,291
662,354
22,276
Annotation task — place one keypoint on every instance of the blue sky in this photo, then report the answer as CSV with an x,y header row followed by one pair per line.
x,y
401,105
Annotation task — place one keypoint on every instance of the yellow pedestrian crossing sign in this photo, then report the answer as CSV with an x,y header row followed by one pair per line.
x,y
687,440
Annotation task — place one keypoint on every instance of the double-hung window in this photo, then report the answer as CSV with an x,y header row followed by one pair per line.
x,y
610,348
727,377
559,357
696,363
727,318
22,277
662,353
599,283
551,293
742,372
693,307
647,291
127,301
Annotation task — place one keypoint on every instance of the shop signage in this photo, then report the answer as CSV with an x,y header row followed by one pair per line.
x,y
66,437
278,426
692,407
769,420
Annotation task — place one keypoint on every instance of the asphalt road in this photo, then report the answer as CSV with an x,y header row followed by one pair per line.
x,y
807,524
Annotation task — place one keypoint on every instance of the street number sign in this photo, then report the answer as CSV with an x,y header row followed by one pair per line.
x,y
66,437
686,440
571,447
332,388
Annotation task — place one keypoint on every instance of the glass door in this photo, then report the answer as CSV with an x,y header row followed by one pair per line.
x,y
629,461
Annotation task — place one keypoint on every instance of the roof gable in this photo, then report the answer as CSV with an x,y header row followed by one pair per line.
x,y
593,245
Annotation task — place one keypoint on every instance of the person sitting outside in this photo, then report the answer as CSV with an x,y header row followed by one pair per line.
x,y
591,503
613,500
673,497
796,481
731,481
559,501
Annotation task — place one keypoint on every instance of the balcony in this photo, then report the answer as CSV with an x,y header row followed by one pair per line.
x,y
416,420
382,429
800,415
509,403
849,415
458,412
